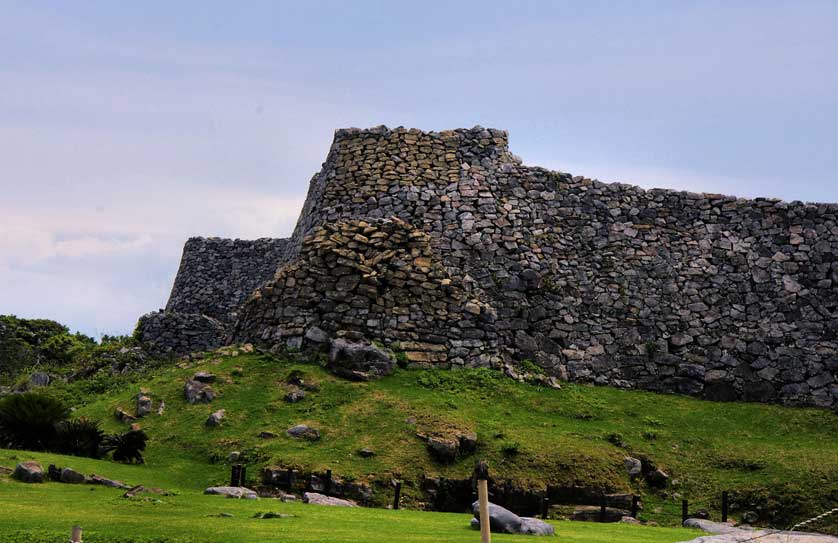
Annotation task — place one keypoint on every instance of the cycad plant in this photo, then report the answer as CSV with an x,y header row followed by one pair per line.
x,y
28,421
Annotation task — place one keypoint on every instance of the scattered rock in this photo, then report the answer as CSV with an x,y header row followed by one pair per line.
x,y
749,517
303,431
271,514
161,408
143,405
634,467
234,456
502,520
238,492
359,361
196,391
123,416
443,449
204,377
320,499
267,435
29,472
71,476
657,478
295,395
97,480
39,379
366,453
215,419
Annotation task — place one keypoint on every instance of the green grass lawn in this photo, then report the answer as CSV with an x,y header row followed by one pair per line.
x,y
778,458
45,513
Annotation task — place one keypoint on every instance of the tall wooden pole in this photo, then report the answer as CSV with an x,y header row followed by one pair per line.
x,y
481,472
75,535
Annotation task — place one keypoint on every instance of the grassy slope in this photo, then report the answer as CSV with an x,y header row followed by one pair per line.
x,y
706,446
45,513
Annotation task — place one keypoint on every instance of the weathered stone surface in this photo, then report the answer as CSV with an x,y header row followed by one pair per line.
x,y
357,360
98,480
633,466
726,533
295,395
303,431
123,416
215,418
29,472
144,405
315,498
196,391
71,476
39,379
239,492
205,377
502,520
444,248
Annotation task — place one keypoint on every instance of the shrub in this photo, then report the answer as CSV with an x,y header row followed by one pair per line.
x,y
127,447
510,448
79,437
28,421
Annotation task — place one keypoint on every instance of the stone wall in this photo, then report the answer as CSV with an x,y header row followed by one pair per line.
x,y
214,278
702,294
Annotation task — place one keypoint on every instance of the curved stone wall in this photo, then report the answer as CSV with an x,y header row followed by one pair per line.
x,y
702,294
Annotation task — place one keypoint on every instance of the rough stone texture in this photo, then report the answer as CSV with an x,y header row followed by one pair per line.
x,y
593,513
71,476
319,499
302,431
29,472
502,520
729,534
360,361
144,405
215,418
444,247
233,492
196,391
166,333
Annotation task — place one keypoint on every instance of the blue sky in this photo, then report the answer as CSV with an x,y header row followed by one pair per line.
x,y
127,127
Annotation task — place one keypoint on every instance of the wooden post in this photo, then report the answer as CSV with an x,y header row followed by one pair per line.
x,y
635,506
602,508
724,506
243,476
75,535
235,475
398,495
327,486
545,507
290,478
684,511
481,472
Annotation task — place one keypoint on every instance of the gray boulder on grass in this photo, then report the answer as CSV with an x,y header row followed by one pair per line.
x,y
29,472
303,431
216,418
359,361
196,391
238,492
320,499
71,476
502,520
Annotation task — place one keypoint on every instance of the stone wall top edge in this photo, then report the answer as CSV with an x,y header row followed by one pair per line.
x,y
382,130
216,239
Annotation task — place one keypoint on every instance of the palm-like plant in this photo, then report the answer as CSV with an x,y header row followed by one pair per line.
x,y
79,437
28,421
127,447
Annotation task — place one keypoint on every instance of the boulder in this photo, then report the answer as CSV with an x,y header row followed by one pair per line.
x,y
359,360
320,499
295,395
71,476
657,478
634,467
123,416
215,419
366,453
267,435
303,431
29,472
98,480
39,379
196,391
204,377
502,520
143,405
443,449
238,492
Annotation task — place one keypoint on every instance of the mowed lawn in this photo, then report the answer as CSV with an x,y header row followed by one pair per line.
x,y
41,513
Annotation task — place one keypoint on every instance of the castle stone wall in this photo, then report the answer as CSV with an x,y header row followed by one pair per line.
x,y
707,295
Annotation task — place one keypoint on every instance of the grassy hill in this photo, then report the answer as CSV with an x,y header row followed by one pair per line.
x,y
782,462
